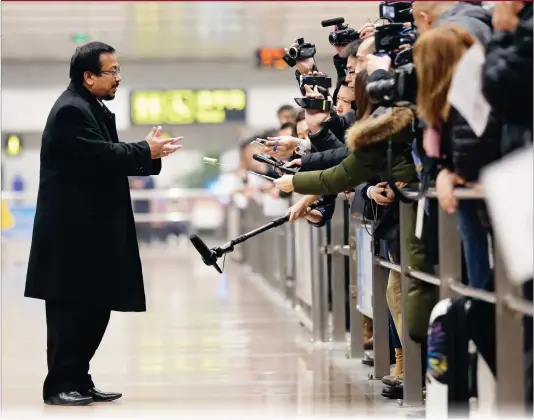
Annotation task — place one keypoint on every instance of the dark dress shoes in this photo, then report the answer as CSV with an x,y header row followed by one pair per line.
x,y
394,392
99,396
368,359
69,398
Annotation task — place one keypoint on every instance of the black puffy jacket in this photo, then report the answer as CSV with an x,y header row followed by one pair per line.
x,y
507,81
332,134
466,154
329,149
325,159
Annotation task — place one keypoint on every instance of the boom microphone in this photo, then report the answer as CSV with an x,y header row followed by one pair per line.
x,y
209,257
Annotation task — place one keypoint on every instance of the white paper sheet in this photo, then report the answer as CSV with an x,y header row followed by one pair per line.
x,y
465,93
508,186
421,204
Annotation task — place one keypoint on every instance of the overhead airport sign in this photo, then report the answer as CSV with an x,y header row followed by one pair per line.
x,y
213,106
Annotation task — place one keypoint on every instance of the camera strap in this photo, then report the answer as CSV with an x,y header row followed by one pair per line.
x,y
429,168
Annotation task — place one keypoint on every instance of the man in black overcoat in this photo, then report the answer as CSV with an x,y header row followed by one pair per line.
x,y
84,259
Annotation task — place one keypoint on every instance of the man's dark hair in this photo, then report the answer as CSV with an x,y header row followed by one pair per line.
x,y
285,108
351,50
301,115
87,58
245,143
290,125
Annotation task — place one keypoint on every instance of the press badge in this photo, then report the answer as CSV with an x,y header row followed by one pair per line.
x,y
421,205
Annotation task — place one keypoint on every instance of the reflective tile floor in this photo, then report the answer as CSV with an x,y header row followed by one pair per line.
x,y
208,344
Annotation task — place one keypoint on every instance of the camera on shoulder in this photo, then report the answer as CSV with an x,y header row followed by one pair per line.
x,y
396,11
399,90
390,38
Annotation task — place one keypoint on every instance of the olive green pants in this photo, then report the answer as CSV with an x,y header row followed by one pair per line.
x,y
422,296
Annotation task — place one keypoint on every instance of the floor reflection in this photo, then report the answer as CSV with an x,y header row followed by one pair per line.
x,y
207,343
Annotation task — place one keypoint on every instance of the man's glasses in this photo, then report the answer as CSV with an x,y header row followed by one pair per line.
x,y
114,72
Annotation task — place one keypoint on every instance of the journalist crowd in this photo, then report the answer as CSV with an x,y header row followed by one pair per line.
x,y
424,101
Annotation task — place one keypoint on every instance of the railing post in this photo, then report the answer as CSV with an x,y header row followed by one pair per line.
x,y
256,256
243,225
510,354
319,285
289,237
267,255
413,389
356,317
450,252
380,316
281,263
338,273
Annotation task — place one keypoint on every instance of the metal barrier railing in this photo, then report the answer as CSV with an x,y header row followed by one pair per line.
x,y
313,311
163,217
165,214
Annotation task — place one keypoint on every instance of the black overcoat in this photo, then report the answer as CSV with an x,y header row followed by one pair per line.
x,y
84,247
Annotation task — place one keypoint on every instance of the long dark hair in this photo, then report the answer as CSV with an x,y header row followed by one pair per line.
x,y
364,106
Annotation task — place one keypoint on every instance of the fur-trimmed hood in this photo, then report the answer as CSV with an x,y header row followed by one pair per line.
x,y
379,127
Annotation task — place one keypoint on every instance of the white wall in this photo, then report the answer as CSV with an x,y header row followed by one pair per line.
x,y
30,89
27,165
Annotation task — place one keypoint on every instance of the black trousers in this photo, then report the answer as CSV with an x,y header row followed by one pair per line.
x,y
73,336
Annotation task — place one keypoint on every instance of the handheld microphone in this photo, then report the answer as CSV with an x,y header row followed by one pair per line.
x,y
209,257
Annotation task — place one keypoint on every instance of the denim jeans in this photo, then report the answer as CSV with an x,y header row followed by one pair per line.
x,y
474,234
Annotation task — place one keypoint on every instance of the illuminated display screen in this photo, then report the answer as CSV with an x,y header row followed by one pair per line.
x,y
12,144
271,58
216,106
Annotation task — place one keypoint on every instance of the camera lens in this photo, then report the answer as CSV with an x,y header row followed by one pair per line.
x,y
293,52
332,38
381,91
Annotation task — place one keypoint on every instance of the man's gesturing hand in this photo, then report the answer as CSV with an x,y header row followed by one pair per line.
x,y
160,147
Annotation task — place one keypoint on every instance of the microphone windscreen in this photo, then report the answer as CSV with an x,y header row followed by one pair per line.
x,y
213,161
201,247
332,22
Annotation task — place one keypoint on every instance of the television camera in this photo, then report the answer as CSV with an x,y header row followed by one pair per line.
x,y
396,11
390,38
